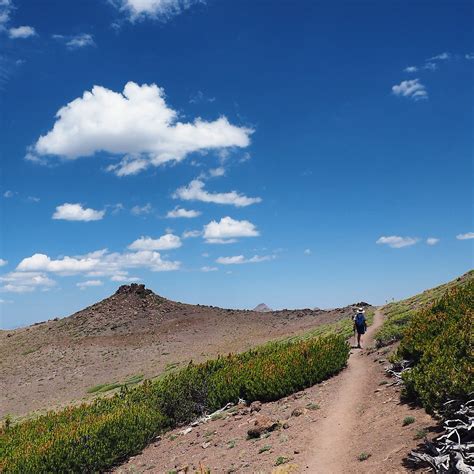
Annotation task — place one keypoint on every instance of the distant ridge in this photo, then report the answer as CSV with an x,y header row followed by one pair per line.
x,y
262,308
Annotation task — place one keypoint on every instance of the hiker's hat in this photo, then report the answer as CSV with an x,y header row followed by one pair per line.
x,y
360,310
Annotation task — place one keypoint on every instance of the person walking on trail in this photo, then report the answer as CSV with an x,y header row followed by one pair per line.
x,y
360,325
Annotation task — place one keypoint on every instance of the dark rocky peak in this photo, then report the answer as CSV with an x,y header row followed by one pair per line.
x,y
134,289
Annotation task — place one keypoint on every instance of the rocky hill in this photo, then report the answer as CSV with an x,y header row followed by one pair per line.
x,y
262,308
134,333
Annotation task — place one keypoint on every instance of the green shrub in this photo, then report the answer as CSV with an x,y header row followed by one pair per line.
x,y
408,420
399,314
92,437
439,340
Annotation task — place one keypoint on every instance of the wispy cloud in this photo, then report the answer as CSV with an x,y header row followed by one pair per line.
x,y
165,242
195,191
89,283
411,69
466,236
412,89
79,41
76,212
432,240
142,210
161,10
240,259
397,242
209,269
440,57
178,212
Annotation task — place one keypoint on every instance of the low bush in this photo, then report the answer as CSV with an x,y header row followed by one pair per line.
x,y
439,341
399,314
93,437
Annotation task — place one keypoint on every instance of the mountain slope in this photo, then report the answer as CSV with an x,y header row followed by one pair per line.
x,y
130,335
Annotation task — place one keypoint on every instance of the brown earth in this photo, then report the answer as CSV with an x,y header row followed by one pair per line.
x,y
133,332
322,430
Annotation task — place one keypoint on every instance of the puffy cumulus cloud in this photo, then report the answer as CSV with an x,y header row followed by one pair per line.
x,y
432,240
180,212
466,236
3,262
75,212
25,282
397,242
65,266
227,230
195,191
240,259
161,10
136,124
413,89
100,263
87,284
217,172
21,32
165,242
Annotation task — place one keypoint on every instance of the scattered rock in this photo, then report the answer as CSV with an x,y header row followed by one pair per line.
x,y
297,412
205,445
263,424
286,425
255,406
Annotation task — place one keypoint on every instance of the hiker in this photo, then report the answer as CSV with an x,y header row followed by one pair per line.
x,y
360,325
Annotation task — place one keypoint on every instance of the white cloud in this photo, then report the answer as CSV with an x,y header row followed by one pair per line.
x,y
467,236
307,252
25,282
140,210
98,264
432,240
65,266
199,96
412,89
123,277
189,234
397,242
469,56
21,32
440,57
227,230
75,212
430,66
5,11
217,172
8,194
165,242
136,124
240,259
161,10
180,212
209,269
3,262
33,199
87,284
411,69
195,191
81,40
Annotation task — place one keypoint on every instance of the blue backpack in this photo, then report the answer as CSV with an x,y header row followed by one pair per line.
x,y
359,320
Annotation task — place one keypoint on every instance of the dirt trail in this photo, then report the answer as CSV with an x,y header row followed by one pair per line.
x,y
333,441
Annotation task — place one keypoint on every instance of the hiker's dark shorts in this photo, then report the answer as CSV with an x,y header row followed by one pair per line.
x,y
360,330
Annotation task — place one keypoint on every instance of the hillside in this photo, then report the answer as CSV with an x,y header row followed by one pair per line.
x,y
399,313
131,335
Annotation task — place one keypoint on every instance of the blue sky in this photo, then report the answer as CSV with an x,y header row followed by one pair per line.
x,y
230,153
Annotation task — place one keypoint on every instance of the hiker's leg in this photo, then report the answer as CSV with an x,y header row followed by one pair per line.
x,y
358,339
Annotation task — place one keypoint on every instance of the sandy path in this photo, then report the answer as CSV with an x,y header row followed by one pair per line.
x,y
333,440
